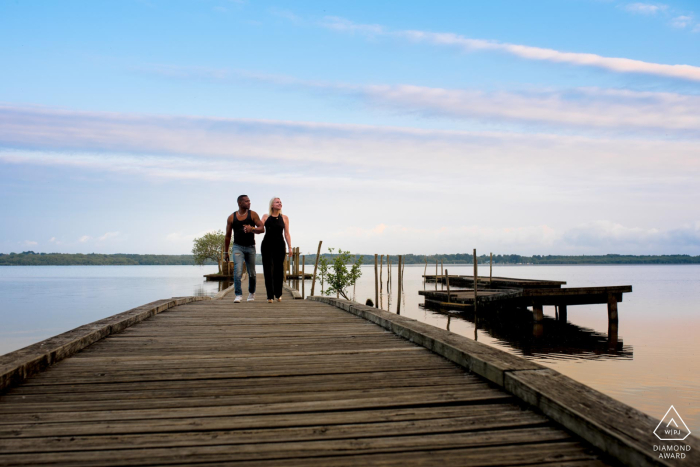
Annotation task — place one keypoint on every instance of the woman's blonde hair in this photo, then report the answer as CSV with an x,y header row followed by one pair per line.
x,y
272,201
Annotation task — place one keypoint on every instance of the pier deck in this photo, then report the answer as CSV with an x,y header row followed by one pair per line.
x,y
292,383
303,382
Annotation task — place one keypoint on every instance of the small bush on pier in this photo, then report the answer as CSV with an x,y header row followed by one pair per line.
x,y
341,278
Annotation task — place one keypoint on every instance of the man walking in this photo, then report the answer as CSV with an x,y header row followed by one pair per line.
x,y
243,246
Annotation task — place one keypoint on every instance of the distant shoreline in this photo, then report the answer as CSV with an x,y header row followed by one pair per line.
x,y
29,258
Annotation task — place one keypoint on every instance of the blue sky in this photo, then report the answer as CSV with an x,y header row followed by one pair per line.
x,y
543,127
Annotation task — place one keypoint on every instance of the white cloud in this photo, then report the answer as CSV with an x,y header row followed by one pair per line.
x,y
682,21
615,64
343,25
646,8
30,243
617,109
108,235
327,155
84,238
584,107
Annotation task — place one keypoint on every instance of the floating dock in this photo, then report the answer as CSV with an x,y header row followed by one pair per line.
x,y
316,382
505,291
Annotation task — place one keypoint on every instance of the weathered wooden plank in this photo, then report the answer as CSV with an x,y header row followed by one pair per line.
x,y
473,412
286,450
42,409
254,384
365,401
485,422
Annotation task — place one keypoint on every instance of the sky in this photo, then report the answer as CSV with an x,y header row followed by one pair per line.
x,y
539,127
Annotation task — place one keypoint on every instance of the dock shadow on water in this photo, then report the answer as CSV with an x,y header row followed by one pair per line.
x,y
548,339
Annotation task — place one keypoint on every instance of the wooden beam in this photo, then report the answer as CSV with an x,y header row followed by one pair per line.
x,y
376,283
612,308
318,254
537,313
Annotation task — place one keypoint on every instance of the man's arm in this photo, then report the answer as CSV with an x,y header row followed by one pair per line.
x,y
227,242
259,226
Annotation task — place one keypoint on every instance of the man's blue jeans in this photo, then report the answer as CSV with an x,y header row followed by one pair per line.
x,y
241,254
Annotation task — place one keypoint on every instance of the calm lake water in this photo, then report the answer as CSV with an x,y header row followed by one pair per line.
x,y
653,365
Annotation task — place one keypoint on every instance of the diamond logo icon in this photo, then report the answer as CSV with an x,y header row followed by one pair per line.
x,y
672,427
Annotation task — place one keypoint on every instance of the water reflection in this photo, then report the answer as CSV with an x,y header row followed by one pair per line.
x,y
547,339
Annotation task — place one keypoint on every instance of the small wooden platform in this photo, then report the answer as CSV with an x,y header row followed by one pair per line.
x,y
290,383
495,282
506,291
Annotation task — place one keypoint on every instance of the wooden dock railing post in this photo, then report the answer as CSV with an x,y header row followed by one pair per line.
x,y
303,275
436,273
490,268
381,271
376,283
447,281
612,308
318,254
476,276
398,304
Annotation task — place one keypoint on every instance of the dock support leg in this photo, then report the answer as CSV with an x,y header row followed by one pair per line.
x,y
538,315
612,308
612,336
562,313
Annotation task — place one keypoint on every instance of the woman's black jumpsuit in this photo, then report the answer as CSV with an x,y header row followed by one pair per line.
x,y
273,252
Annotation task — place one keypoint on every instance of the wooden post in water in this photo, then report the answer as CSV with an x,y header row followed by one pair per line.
x,y
376,283
491,268
318,254
476,275
612,308
388,283
442,266
537,312
398,304
295,268
381,270
303,275
436,273
425,270
563,313
447,281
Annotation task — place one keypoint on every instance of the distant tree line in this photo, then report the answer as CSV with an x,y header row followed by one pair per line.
x,y
30,258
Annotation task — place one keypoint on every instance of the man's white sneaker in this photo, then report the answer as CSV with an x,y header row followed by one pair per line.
x,y
251,297
237,299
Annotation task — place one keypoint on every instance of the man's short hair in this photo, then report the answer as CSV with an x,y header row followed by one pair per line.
x,y
241,197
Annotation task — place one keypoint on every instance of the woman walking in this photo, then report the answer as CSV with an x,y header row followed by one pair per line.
x,y
276,228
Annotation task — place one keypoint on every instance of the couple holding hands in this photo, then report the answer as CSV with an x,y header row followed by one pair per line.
x,y
244,224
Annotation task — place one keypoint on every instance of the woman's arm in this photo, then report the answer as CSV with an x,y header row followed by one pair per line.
x,y
286,234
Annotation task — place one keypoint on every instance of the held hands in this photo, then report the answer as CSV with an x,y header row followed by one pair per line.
x,y
248,228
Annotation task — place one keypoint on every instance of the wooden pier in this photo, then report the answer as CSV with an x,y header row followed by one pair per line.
x,y
504,291
321,382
